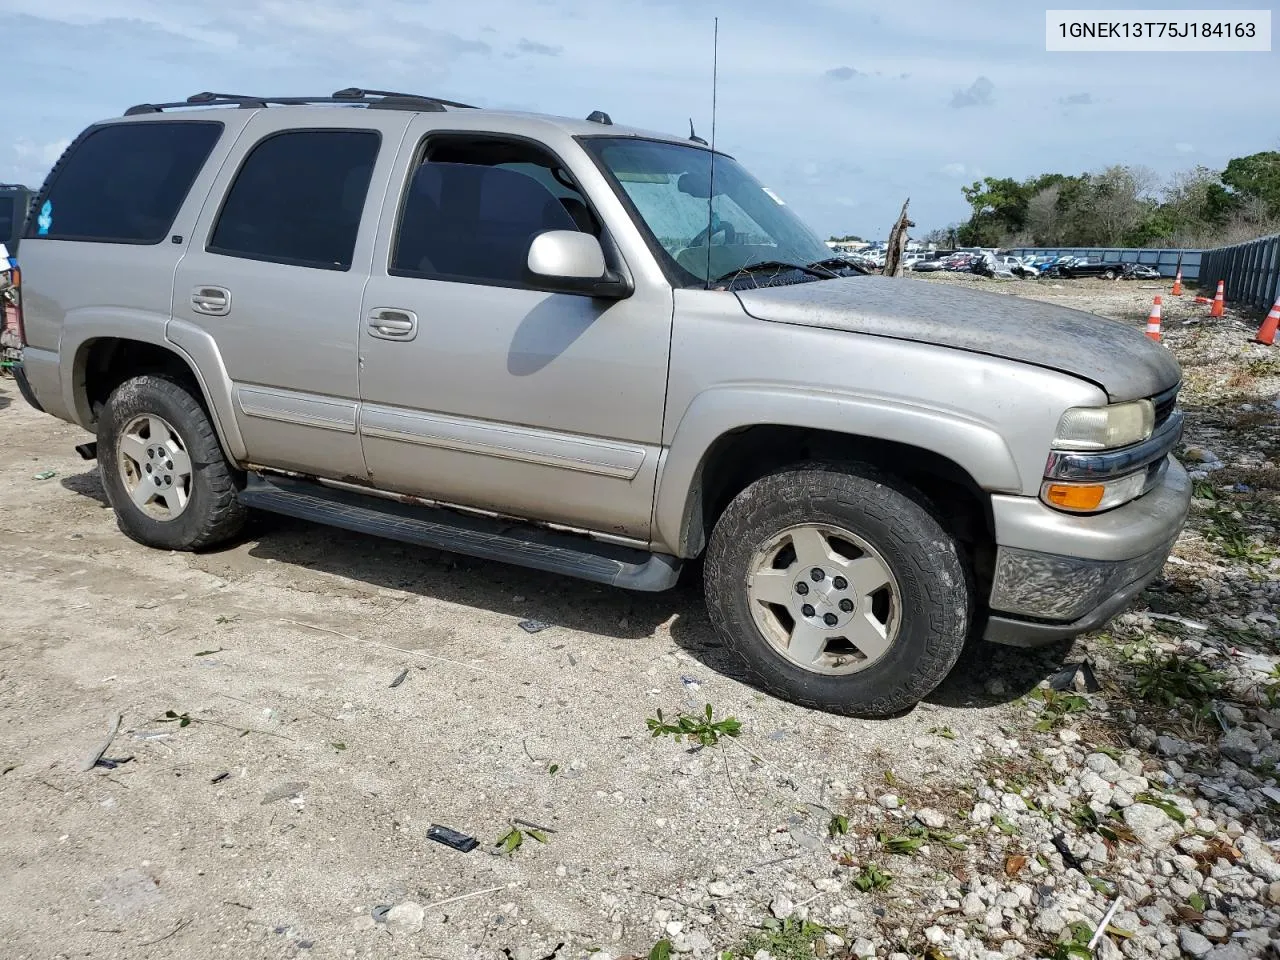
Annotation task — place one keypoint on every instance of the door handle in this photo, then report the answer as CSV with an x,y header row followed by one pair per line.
x,y
392,323
211,301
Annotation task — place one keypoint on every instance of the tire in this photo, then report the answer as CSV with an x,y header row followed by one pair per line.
x,y
930,586
201,502
1109,275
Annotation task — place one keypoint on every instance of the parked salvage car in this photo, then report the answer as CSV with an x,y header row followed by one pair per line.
x,y
596,351
1140,271
1089,267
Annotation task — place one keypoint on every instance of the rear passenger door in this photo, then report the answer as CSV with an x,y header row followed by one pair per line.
x,y
275,274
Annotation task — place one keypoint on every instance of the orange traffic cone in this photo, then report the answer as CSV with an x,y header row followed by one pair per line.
x,y
1177,283
1203,300
1153,321
1216,309
1267,332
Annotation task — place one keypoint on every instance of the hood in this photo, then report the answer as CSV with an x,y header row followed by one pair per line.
x,y
1118,358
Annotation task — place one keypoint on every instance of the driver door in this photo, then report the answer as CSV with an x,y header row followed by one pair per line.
x,y
477,387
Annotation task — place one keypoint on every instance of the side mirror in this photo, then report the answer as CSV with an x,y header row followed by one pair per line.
x,y
567,261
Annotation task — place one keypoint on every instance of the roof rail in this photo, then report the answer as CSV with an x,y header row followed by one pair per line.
x,y
373,99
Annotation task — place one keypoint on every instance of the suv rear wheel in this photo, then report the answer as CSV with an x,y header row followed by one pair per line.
x,y
163,468
838,589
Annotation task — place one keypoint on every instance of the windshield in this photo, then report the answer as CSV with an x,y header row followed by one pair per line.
x,y
669,185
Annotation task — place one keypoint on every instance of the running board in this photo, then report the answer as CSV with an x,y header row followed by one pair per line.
x,y
487,538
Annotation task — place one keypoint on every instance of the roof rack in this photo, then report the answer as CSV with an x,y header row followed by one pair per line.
x,y
371,99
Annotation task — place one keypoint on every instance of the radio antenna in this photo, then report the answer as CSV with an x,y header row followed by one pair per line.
x,y
711,191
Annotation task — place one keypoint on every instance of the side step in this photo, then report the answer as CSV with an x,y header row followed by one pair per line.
x,y
483,537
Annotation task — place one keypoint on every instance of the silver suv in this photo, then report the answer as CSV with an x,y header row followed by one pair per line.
x,y
594,351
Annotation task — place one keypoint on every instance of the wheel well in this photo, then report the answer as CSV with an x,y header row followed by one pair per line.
x,y
740,458
110,361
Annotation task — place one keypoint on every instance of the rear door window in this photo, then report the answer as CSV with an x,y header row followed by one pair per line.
x,y
298,199
124,183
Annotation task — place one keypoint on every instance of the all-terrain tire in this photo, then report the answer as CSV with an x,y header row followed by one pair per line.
x,y
933,578
213,514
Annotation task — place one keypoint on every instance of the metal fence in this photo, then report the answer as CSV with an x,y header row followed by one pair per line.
x,y
1250,271
1164,260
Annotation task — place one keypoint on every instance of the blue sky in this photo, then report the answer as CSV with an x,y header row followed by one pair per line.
x,y
843,108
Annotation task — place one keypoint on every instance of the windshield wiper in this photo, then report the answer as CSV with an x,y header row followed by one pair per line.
x,y
834,263
814,270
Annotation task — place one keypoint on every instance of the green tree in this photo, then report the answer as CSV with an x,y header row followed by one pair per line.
x,y
1257,175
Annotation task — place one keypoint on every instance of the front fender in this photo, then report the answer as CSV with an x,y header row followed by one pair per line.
x,y
970,444
191,345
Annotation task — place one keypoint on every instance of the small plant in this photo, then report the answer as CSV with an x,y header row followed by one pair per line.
x,y
945,732
181,719
208,653
706,731
661,950
511,841
1057,707
890,779
789,939
871,878
1170,680
222,618
553,769
1004,826
914,837
1203,490
1076,946
1197,903
838,826
1271,689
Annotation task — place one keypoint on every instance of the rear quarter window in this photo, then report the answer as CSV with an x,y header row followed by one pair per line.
x,y
123,183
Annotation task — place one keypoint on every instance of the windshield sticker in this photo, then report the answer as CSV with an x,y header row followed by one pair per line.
x,y
776,199
45,220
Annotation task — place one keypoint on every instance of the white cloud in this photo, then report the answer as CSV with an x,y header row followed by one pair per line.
x,y
977,94
1185,147
953,170
35,154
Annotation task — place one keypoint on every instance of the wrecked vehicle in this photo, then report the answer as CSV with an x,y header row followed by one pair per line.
x,y
1140,271
551,342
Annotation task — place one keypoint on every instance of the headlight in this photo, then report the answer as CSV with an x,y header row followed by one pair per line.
x,y
1104,428
1092,497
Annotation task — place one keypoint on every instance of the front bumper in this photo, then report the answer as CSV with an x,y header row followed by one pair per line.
x,y
1058,575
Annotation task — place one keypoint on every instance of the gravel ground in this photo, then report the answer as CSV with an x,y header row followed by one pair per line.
x,y
270,787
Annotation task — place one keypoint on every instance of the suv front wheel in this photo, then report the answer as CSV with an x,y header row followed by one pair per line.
x,y
163,467
838,589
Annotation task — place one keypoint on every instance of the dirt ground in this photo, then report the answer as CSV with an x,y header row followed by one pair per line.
x,y
298,797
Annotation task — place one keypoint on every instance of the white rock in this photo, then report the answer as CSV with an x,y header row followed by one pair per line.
x,y
1068,736
1153,827
862,947
698,941
1214,929
405,918
889,801
718,888
982,812
782,907
674,928
931,818
1013,803
972,905
935,934
1049,922
601,955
